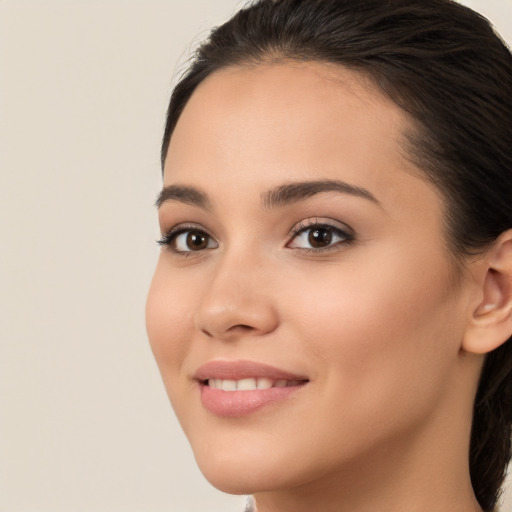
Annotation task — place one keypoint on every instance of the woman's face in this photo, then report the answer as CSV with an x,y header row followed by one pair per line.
x,y
304,256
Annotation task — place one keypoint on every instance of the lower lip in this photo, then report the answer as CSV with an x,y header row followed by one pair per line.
x,y
242,403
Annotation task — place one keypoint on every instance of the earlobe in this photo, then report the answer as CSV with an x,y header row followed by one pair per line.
x,y
491,322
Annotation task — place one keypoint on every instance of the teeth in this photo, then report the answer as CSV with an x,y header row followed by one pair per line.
x,y
228,385
246,384
250,384
264,383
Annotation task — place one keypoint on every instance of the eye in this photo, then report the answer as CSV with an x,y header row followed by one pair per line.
x,y
318,236
188,239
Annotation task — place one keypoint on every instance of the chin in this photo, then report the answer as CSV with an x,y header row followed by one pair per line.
x,y
247,478
235,471
251,466
246,469
236,482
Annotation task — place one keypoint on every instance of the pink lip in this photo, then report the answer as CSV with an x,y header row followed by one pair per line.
x,y
242,369
243,403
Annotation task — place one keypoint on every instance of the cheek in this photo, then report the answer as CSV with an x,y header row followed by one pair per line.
x,y
384,336
168,321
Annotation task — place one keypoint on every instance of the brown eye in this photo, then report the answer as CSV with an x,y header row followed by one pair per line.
x,y
184,240
196,240
320,237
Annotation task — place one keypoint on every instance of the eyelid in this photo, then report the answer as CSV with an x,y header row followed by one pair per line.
x,y
170,235
345,232
312,222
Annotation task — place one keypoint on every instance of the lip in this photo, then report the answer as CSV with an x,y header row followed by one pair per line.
x,y
243,403
243,369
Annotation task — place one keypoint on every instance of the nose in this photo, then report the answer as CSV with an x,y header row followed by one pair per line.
x,y
237,302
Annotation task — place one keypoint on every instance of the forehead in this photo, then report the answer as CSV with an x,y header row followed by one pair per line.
x,y
260,126
285,110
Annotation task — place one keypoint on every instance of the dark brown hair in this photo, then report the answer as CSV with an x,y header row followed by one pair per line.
x,y
444,65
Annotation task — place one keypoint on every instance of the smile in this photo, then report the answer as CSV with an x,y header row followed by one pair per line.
x,y
240,388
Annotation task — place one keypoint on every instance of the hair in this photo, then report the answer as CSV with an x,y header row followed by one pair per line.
x,y
445,66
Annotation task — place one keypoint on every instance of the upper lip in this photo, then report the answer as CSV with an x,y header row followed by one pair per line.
x,y
241,369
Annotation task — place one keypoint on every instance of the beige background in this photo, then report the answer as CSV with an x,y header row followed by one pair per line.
x,y
84,422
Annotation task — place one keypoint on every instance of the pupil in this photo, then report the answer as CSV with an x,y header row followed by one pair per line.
x,y
320,237
196,241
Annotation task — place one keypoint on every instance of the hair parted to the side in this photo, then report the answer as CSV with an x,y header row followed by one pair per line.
x,y
444,65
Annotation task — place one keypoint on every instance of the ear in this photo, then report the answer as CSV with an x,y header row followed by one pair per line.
x,y
491,322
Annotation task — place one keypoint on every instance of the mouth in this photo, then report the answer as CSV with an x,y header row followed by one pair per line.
x,y
240,388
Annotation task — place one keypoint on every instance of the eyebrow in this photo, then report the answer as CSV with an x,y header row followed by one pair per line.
x,y
183,194
275,198
293,192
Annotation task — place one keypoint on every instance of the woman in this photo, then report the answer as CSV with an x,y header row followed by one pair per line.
x,y
332,307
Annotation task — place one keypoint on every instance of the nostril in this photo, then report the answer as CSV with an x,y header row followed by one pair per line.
x,y
205,332
241,327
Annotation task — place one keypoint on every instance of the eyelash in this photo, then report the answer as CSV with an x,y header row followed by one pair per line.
x,y
169,238
346,237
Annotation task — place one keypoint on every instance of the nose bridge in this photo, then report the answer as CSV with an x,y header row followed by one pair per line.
x,y
237,299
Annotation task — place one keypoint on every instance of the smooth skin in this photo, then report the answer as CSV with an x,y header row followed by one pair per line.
x,y
388,329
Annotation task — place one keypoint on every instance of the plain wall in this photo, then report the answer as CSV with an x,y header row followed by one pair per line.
x,y
84,421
